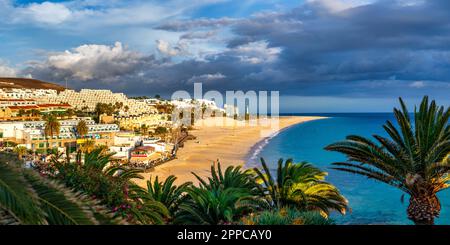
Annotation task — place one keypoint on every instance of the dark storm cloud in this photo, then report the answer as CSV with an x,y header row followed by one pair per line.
x,y
372,42
309,50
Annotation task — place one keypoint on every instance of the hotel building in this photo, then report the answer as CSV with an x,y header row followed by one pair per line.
x,y
89,98
31,133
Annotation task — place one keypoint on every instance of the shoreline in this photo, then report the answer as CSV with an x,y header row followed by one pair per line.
x,y
259,146
231,144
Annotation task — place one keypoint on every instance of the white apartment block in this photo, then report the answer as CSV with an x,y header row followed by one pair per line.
x,y
197,103
16,102
88,98
150,120
29,131
17,93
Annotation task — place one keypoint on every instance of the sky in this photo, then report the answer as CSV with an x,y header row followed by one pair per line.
x,y
321,55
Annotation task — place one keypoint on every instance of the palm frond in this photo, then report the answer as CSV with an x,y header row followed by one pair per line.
x,y
17,197
62,206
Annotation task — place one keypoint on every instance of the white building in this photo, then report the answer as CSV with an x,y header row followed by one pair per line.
x,y
19,93
121,152
151,101
147,141
16,102
33,131
89,98
160,147
128,139
155,143
197,103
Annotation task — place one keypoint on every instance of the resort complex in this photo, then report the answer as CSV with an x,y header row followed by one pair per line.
x,y
136,131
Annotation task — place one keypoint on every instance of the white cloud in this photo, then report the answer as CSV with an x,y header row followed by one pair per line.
x,y
417,84
206,78
88,13
339,5
6,71
410,2
47,12
39,13
133,22
89,62
257,52
165,48
179,49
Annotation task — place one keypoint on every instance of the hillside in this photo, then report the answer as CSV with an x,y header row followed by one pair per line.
x,y
28,83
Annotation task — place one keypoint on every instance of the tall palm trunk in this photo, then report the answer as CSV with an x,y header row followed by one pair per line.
x,y
68,153
50,143
47,145
423,209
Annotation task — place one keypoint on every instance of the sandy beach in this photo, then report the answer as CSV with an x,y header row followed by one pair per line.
x,y
230,143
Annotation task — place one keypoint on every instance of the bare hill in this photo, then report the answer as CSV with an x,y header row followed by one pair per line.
x,y
28,83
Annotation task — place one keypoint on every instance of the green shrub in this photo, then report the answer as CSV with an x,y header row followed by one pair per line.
x,y
286,216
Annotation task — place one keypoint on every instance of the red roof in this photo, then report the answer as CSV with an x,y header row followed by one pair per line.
x,y
26,107
55,105
17,100
144,148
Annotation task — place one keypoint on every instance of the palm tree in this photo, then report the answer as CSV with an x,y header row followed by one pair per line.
x,y
118,105
21,113
52,127
70,112
82,129
161,200
102,148
144,129
221,199
20,150
213,207
164,108
167,193
88,146
301,186
161,132
415,159
233,177
35,112
28,198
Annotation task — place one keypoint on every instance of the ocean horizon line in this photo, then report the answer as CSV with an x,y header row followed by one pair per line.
x,y
329,113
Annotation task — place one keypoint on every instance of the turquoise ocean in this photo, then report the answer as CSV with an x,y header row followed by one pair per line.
x,y
370,202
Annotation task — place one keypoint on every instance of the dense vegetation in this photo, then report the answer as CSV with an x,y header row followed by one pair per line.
x,y
28,198
98,177
225,197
